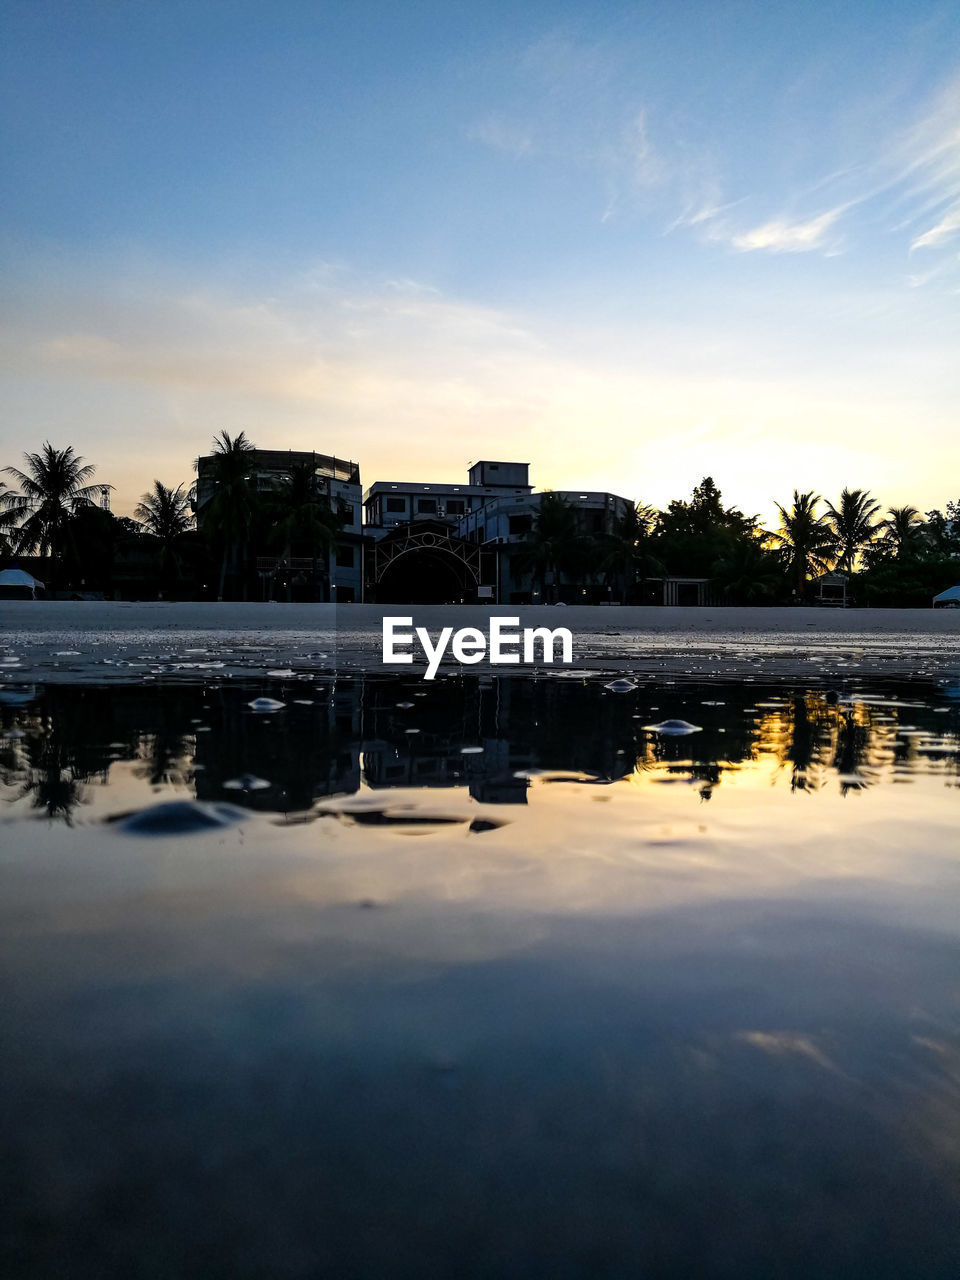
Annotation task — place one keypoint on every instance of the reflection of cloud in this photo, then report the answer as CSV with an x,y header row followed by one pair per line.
x,y
783,1043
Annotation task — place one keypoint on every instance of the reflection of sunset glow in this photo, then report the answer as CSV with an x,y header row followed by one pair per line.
x,y
570,807
813,742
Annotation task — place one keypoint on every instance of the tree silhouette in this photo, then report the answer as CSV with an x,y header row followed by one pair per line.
x,y
852,526
55,486
902,531
693,537
553,546
625,552
229,513
805,540
165,514
301,517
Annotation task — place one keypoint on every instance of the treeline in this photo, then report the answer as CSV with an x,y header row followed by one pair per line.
x,y
892,557
56,511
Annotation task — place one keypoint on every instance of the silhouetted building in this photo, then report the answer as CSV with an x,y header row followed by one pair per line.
x,y
448,543
338,576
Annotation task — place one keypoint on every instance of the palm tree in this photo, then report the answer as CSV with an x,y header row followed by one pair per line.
x,y
553,545
625,553
805,540
749,573
303,517
53,488
7,518
165,514
901,530
852,525
230,510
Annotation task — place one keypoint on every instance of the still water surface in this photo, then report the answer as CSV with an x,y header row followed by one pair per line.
x,y
485,978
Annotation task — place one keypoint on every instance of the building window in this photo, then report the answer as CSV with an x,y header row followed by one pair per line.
x,y
345,558
521,524
455,506
396,504
427,506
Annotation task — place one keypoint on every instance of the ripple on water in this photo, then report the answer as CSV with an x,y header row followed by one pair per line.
x,y
673,728
179,818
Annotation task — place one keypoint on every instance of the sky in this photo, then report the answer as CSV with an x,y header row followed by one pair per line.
x,y
631,244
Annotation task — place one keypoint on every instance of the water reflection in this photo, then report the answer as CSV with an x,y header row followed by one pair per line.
x,y
488,735
617,1032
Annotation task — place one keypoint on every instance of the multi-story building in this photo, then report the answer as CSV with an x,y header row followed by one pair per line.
x,y
275,572
444,542
507,523
388,503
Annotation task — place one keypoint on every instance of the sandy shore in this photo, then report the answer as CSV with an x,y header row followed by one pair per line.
x,y
60,640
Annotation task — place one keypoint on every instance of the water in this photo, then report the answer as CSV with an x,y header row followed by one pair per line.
x,y
480,978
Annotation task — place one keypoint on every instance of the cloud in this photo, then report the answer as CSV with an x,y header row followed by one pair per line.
x,y
944,230
502,135
140,375
781,236
902,179
568,107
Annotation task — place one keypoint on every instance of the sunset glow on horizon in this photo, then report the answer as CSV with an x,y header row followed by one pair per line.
x,y
632,245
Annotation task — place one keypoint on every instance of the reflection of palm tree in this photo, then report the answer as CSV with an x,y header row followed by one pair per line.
x,y
553,545
625,552
852,525
805,540
303,517
51,779
165,758
901,530
165,513
53,488
853,740
230,510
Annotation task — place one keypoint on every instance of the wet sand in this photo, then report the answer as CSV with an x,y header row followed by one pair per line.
x,y
73,641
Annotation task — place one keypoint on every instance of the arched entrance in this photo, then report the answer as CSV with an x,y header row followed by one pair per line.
x,y
425,563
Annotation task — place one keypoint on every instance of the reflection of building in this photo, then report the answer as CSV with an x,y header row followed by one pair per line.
x,y
336,576
447,542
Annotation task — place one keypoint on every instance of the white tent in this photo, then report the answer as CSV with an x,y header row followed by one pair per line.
x,y
17,584
949,597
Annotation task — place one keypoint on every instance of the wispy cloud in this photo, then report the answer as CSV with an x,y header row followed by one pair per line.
x,y
399,375
782,236
501,134
940,233
909,186
571,110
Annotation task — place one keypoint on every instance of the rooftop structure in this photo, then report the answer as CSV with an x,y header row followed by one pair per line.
x,y
388,503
